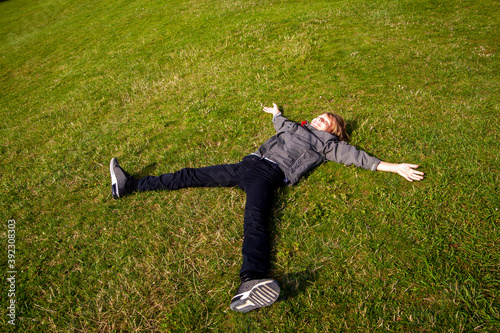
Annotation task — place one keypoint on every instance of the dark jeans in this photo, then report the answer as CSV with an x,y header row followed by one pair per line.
x,y
258,178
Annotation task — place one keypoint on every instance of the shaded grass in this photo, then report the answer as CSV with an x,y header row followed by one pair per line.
x,y
164,85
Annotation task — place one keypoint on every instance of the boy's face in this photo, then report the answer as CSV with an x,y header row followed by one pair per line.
x,y
322,123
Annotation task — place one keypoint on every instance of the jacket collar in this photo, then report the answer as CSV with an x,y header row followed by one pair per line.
x,y
322,135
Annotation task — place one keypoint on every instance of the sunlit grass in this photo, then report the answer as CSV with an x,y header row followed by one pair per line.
x,y
164,85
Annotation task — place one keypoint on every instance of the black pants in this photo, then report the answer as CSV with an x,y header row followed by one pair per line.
x,y
258,178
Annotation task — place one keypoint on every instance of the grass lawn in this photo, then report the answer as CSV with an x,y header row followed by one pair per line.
x,y
163,85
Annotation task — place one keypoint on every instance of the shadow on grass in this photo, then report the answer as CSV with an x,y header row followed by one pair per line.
x,y
148,170
291,284
294,284
351,126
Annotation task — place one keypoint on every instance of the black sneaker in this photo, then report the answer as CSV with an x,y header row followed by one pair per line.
x,y
118,179
255,294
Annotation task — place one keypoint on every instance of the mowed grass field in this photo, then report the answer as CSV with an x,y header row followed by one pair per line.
x,y
163,85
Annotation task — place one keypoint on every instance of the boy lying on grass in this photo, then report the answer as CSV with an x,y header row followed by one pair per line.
x,y
281,160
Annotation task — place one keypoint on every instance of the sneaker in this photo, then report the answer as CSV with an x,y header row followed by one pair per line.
x,y
118,179
254,294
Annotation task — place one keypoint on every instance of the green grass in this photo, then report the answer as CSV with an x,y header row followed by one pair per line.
x,y
167,84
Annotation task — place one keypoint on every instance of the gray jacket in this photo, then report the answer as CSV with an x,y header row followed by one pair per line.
x,y
297,149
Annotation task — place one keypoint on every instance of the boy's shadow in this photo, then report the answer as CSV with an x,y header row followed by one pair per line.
x,y
351,125
147,170
293,284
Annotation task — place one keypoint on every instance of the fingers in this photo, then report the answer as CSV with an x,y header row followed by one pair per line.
x,y
409,173
407,177
273,110
414,175
417,176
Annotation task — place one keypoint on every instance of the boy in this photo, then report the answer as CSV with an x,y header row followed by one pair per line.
x,y
281,160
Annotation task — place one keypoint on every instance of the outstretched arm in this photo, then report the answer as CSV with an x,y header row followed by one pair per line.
x,y
403,169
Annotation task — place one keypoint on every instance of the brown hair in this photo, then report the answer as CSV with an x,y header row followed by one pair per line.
x,y
338,127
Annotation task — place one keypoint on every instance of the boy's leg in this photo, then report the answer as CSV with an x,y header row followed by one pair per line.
x,y
226,175
259,181
256,241
122,183
257,289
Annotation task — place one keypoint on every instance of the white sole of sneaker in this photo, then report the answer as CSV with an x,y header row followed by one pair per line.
x,y
114,187
262,294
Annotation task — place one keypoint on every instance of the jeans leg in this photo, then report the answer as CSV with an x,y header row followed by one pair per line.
x,y
260,183
256,243
226,175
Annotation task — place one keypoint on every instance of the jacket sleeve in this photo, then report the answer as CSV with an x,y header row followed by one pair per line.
x,y
279,122
344,153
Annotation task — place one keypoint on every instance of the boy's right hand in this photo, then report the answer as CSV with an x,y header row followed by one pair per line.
x,y
274,110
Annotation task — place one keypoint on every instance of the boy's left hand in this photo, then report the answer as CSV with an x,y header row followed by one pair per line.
x,y
408,172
